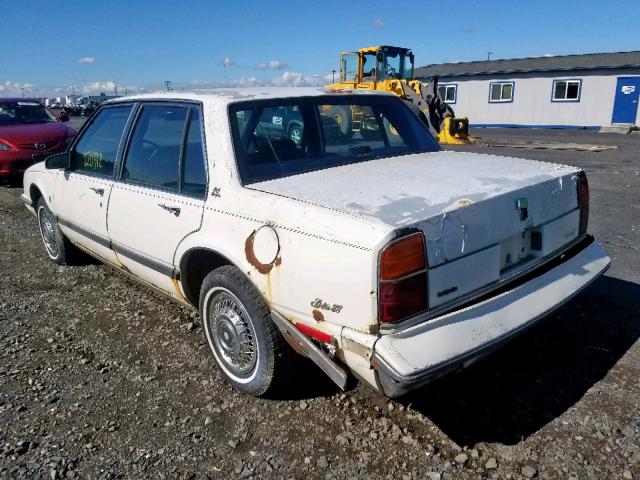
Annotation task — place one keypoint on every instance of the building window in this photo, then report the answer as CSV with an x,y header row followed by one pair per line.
x,y
500,92
566,90
448,93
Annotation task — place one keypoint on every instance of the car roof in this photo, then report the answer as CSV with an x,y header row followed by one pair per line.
x,y
231,95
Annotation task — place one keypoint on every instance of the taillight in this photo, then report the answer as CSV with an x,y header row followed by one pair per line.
x,y
402,289
583,202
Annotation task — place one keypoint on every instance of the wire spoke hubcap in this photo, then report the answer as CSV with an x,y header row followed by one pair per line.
x,y
232,334
48,231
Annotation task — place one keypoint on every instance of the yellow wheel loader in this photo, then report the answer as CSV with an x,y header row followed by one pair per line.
x,y
390,69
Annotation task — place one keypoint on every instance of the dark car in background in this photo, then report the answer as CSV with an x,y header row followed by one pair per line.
x,y
29,133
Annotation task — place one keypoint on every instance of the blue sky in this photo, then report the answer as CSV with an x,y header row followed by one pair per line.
x,y
47,46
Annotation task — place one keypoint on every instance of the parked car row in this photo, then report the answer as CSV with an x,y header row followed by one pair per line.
x,y
378,256
81,109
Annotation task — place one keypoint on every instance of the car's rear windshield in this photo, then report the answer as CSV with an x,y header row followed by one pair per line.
x,y
18,113
281,137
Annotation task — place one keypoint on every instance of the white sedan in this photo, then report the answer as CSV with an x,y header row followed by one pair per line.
x,y
364,246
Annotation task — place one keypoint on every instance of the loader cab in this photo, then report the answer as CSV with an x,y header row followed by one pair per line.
x,y
372,65
394,64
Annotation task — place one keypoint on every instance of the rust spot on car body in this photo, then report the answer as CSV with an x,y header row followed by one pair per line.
x,y
318,316
263,268
250,254
294,344
176,286
357,348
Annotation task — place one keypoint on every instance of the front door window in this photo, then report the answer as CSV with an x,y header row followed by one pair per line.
x,y
96,150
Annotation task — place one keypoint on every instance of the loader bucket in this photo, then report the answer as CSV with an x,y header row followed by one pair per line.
x,y
454,131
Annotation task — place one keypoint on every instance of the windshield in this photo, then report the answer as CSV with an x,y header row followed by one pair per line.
x,y
19,113
397,65
282,137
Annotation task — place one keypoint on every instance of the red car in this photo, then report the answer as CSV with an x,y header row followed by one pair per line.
x,y
28,134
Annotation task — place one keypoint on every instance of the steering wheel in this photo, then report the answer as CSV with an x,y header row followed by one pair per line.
x,y
391,72
154,145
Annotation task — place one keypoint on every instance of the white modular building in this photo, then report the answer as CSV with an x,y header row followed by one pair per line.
x,y
572,91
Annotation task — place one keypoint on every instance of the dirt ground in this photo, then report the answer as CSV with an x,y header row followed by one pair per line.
x,y
103,378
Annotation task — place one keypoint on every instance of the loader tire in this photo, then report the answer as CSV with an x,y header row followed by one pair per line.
x,y
342,115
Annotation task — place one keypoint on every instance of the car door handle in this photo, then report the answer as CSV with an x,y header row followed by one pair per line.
x,y
99,191
168,208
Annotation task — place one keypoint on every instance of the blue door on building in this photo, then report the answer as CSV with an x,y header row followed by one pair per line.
x,y
625,108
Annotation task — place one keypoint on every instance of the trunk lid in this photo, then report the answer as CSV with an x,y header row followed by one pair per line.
x,y
480,212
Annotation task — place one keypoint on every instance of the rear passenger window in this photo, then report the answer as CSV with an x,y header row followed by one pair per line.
x,y
153,156
96,150
194,178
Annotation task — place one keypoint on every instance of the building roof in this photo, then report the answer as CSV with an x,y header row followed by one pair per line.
x,y
590,61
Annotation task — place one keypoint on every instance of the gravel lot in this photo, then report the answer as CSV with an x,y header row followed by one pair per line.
x,y
103,378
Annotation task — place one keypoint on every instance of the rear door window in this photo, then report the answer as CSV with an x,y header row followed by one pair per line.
x,y
95,151
153,156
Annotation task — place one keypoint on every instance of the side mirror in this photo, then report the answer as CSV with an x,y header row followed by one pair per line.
x,y
61,160
63,117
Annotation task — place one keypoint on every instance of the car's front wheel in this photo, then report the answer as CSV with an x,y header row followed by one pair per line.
x,y
247,345
58,248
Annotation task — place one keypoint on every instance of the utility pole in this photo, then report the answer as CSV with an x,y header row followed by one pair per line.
x,y
333,76
489,55
167,83
22,91
115,88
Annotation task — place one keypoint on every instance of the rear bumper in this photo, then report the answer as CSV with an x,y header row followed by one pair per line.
x,y
409,359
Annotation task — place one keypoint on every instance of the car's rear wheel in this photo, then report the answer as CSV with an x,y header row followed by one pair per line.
x,y
58,248
246,344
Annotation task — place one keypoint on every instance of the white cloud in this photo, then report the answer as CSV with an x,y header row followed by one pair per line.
x,y
548,55
227,62
287,79
88,60
272,65
378,24
108,87
16,88
296,79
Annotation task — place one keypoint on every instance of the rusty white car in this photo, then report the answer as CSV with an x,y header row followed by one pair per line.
x,y
378,256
